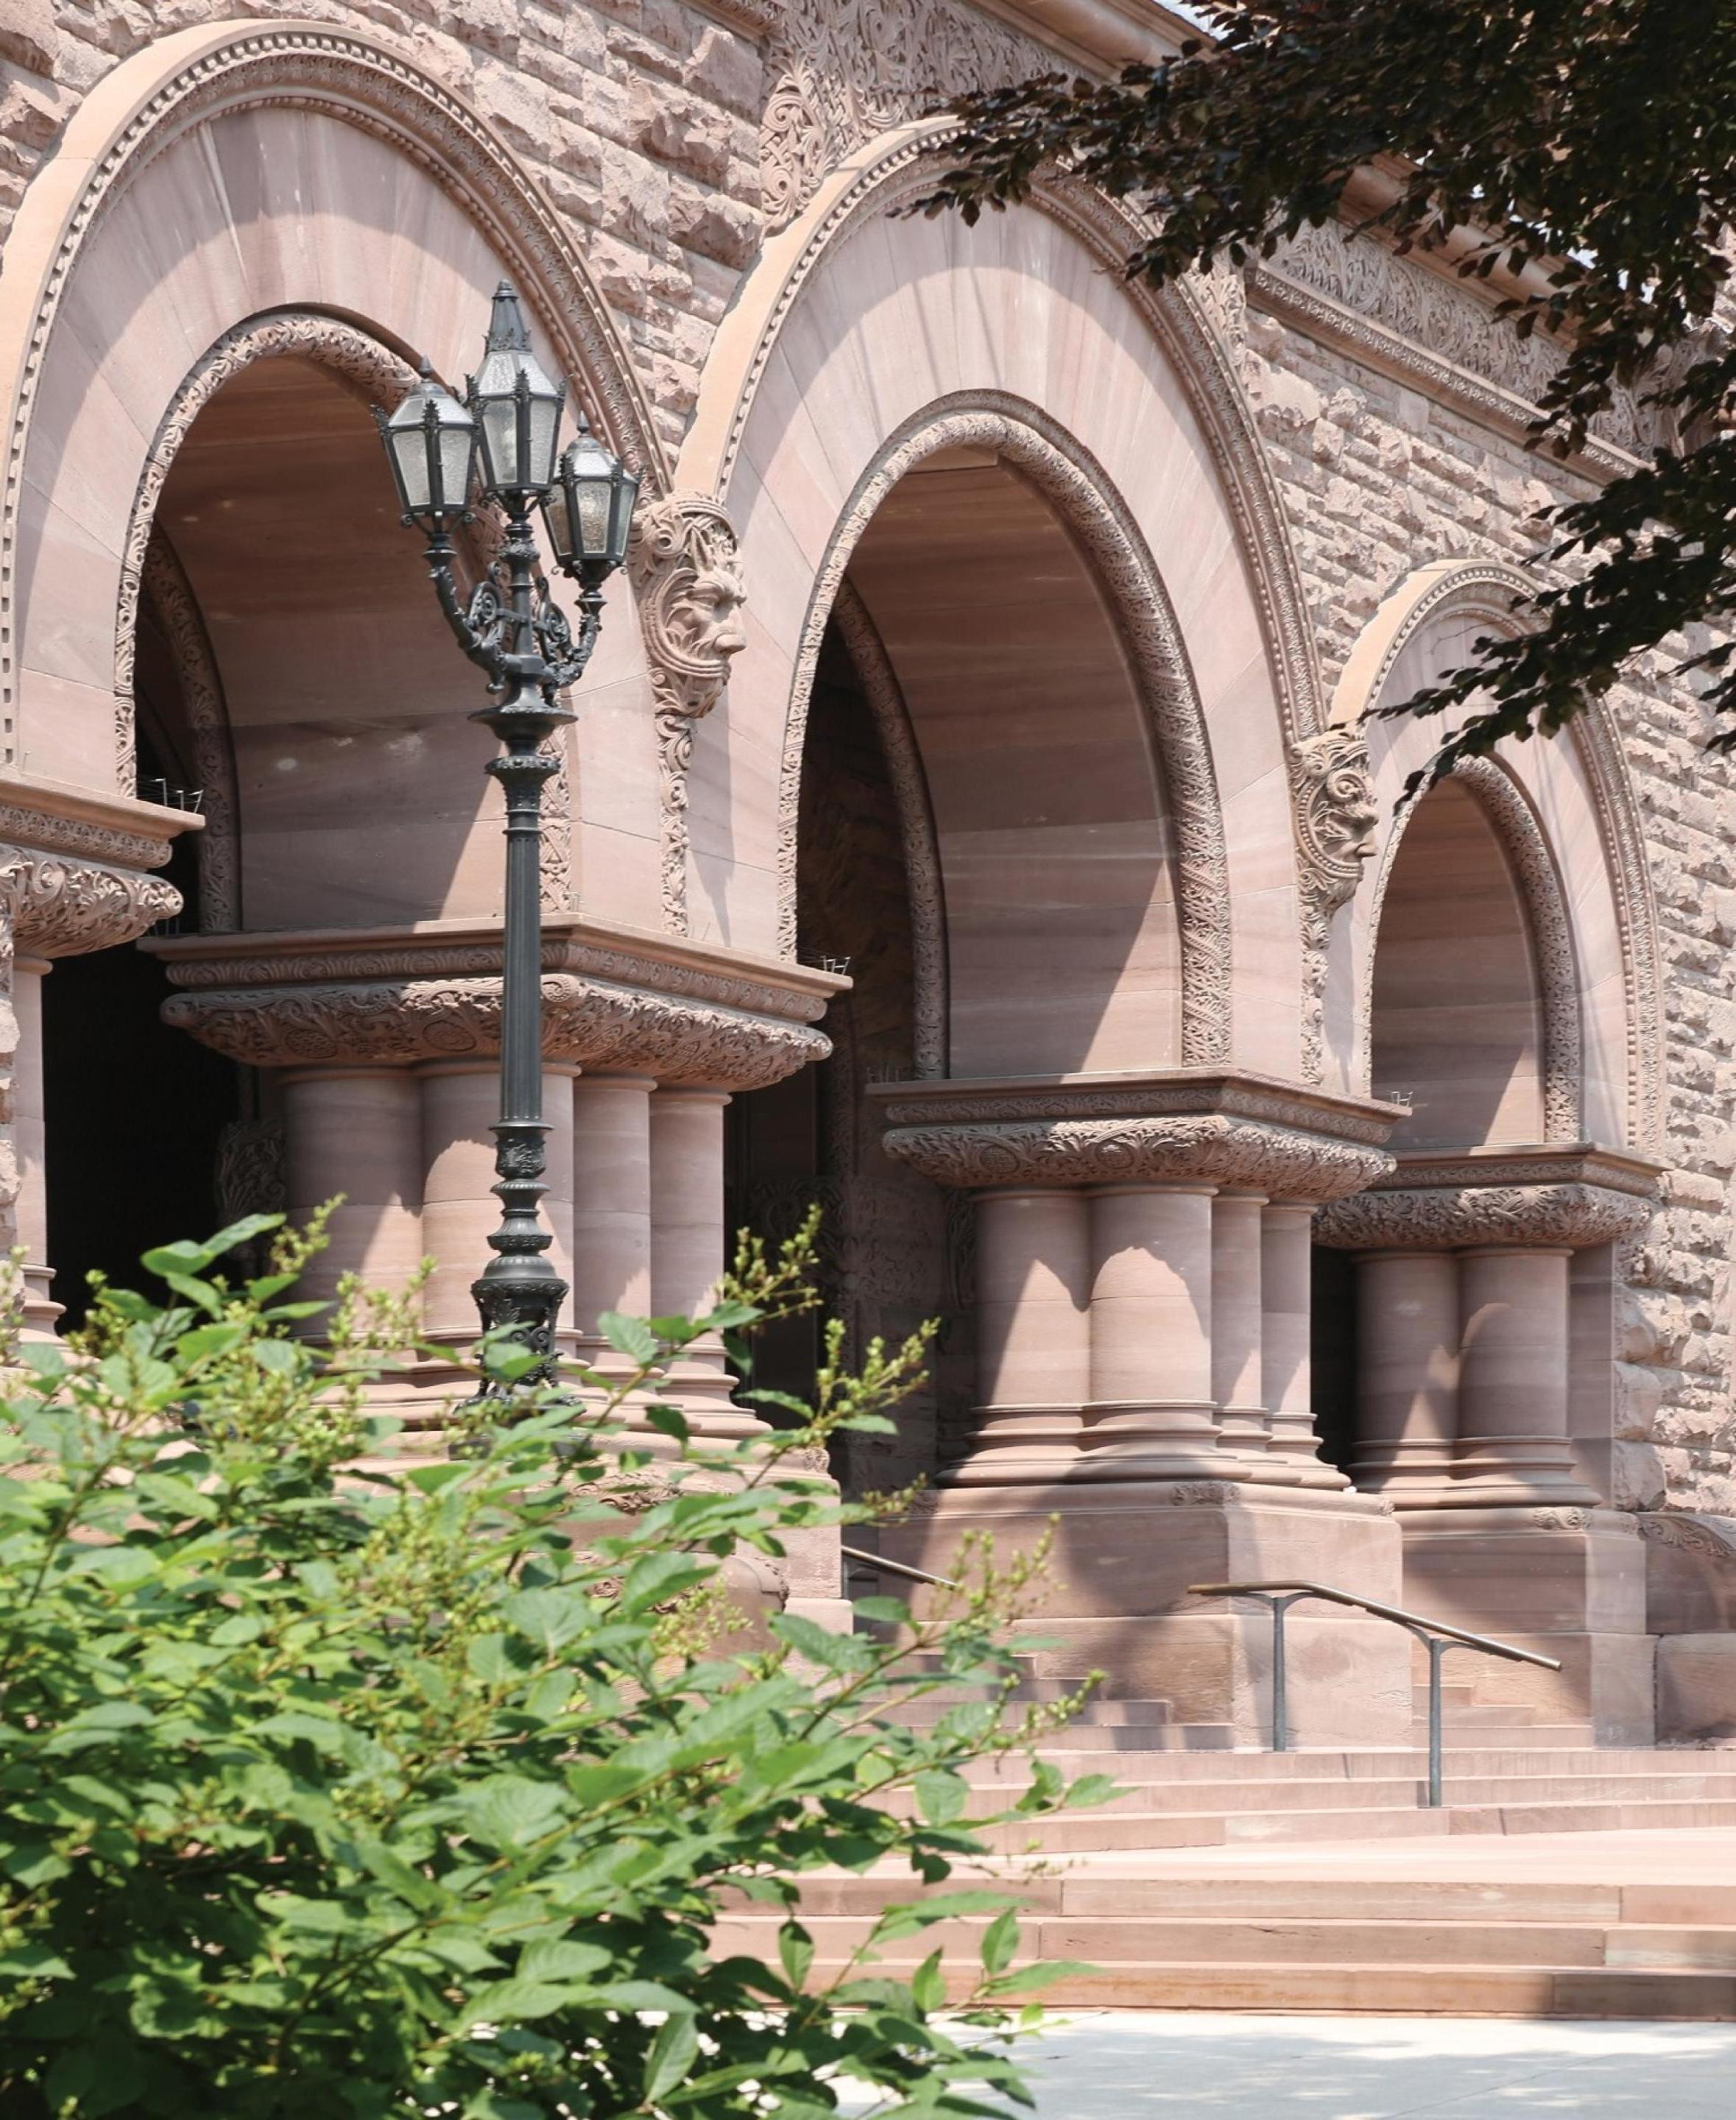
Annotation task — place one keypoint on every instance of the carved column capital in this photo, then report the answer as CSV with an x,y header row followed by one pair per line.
x,y
61,907
1571,1198
1186,1127
683,1018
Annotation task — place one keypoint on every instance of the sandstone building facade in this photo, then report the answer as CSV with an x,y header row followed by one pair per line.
x,y
974,819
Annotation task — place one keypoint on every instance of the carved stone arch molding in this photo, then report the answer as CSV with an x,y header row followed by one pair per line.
x,y
923,878
148,105
1484,593
1508,810
376,374
1195,329
1139,607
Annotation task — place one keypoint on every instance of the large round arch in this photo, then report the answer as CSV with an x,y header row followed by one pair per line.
x,y
858,333
1565,813
221,175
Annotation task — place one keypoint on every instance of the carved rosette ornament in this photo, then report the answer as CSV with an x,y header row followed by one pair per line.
x,y
1333,795
691,594
1180,1128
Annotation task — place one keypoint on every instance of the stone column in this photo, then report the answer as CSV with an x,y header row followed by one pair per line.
x,y
30,1135
1408,1374
612,1208
1287,1270
687,1240
1513,1438
1033,1335
357,1132
459,1101
1238,1325
1150,1415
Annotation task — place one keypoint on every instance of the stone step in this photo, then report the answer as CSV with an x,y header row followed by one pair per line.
x,y
924,1710
1329,1793
1268,1770
1098,1831
1111,1941
1398,1990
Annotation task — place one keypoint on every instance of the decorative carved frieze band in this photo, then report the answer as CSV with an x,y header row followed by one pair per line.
x,y
1576,1195
668,1010
684,971
61,907
691,594
1457,1218
1206,1127
80,837
399,1022
838,71
1408,319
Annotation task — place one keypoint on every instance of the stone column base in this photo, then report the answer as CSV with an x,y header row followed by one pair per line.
x,y
1568,1583
1123,1559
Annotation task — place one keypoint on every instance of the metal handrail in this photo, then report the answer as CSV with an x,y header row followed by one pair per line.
x,y
897,1568
1435,1636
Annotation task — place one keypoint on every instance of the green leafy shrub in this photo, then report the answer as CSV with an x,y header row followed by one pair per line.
x,y
332,1791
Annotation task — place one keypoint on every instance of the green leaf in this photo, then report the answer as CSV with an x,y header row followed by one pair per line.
x,y
929,1983
508,1810
1000,1939
243,1233
795,1952
631,1336
673,2052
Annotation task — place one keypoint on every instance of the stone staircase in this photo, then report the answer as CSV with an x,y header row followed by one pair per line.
x,y
1317,1879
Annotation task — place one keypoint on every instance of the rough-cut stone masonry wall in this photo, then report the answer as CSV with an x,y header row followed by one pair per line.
x,y
640,118
1380,480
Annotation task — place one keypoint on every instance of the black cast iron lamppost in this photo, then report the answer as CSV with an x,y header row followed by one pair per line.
x,y
505,434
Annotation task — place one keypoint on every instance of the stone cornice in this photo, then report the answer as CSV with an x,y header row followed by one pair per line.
x,y
449,949
1200,1127
55,817
1567,1163
1575,1196
613,1000
1141,1092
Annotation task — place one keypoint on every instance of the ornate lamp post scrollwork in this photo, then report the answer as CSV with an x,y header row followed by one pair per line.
x,y
504,437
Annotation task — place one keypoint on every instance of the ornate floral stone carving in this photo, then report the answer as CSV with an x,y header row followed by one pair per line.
x,y
924,885
1207,1129
1213,1150
252,1176
840,71
398,1022
1406,316
162,580
1460,1217
1333,795
691,594
61,907
1336,813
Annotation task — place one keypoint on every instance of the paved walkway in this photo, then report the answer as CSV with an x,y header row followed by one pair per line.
x,y
1127,2065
